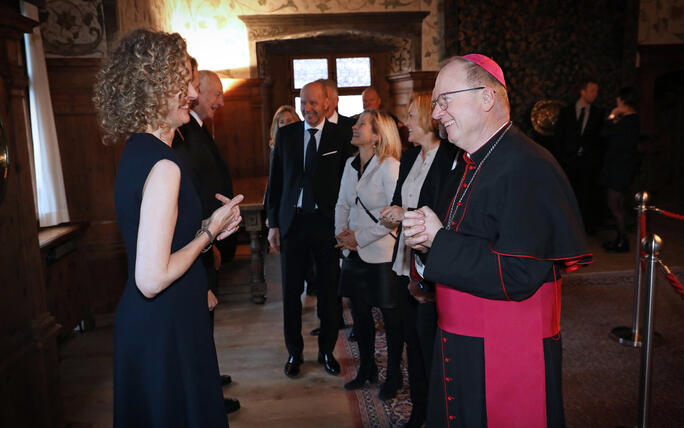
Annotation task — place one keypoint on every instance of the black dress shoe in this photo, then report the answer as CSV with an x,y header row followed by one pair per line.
x,y
292,365
390,387
330,363
231,405
370,375
316,331
226,380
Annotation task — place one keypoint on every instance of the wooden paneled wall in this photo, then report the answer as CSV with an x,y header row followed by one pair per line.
x,y
238,129
29,390
89,169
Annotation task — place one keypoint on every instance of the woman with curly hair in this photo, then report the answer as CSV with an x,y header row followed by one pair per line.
x,y
165,368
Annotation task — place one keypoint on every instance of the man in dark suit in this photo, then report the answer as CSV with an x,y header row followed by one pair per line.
x,y
577,147
209,173
308,161
346,123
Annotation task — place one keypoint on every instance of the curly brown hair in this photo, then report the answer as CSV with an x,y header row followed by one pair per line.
x,y
136,81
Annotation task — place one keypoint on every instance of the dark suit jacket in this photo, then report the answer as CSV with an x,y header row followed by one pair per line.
x,y
285,179
210,174
433,184
567,139
346,122
209,171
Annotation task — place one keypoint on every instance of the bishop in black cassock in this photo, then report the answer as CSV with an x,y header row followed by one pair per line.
x,y
506,226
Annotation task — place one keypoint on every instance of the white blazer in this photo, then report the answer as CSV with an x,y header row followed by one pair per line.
x,y
375,190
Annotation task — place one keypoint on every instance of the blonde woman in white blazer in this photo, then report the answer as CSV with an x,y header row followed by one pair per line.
x,y
367,278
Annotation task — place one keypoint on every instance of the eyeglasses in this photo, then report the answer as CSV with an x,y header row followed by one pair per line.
x,y
442,101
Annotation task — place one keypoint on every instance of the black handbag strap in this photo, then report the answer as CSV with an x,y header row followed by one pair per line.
x,y
359,201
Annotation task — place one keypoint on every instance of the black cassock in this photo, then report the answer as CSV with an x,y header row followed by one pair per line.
x,y
511,225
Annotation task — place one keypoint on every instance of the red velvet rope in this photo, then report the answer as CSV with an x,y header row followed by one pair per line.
x,y
642,253
674,282
671,215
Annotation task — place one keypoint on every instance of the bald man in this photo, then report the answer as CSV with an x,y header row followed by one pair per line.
x,y
507,224
210,174
331,112
372,101
308,161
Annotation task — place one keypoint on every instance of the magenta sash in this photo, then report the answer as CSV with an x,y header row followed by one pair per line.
x,y
515,382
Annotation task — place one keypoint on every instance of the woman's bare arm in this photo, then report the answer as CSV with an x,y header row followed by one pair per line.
x,y
155,266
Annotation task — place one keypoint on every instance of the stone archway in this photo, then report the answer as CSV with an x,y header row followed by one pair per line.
x,y
402,30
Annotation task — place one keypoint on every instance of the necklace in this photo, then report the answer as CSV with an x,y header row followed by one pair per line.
x,y
455,204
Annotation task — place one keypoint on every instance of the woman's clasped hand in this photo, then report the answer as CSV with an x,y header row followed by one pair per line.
x,y
346,240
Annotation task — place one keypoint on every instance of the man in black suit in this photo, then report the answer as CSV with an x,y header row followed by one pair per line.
x,y
346,123
577,147
308,161
209,173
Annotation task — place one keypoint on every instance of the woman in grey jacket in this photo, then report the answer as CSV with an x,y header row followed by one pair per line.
x,y
367,278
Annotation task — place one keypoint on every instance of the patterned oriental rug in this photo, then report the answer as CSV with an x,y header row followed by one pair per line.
x,y
600,377
370,411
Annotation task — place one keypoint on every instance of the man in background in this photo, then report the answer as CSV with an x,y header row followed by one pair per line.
x,y
209,173
331,112
578,148
372,101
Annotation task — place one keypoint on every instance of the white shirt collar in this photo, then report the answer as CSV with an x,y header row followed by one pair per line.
x,y
334,118
192,112
580,104
319,126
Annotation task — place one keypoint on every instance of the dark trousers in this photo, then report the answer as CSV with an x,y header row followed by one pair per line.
x,y
365,334
420,326
310,233
583,178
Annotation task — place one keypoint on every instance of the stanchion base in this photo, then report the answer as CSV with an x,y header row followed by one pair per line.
x,y
625,336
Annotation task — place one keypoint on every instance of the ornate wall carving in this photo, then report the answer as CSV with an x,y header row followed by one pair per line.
x,y
217,21
399,32
73,28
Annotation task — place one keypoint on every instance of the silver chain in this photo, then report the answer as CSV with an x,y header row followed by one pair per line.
x,y
454,206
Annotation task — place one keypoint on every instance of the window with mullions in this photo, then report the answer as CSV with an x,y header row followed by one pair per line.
x,y
352,74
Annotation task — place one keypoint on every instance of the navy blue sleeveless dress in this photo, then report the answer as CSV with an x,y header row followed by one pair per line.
x,y
165,368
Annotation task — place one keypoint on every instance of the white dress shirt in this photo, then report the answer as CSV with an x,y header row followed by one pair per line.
x,y
410,193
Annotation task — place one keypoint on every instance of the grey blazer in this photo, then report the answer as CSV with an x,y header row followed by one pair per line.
x,y
375,190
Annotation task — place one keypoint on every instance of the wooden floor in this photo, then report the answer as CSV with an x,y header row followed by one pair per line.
x,y
250,348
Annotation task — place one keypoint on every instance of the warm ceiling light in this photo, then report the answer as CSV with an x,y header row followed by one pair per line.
x,y
228,83
215,37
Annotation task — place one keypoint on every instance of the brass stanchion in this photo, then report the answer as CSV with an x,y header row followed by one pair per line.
x,y
652,245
